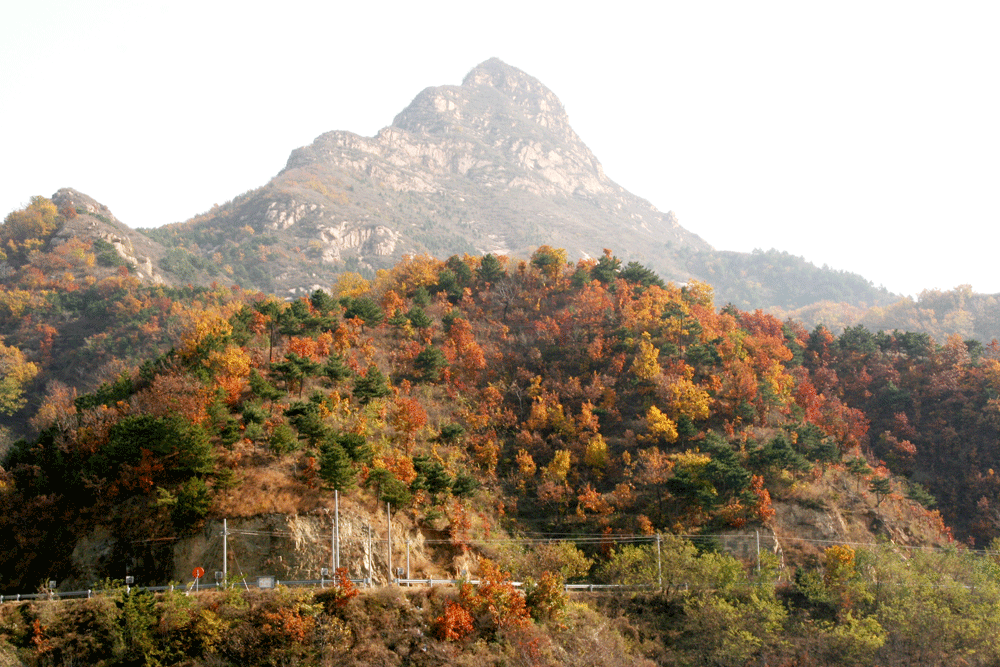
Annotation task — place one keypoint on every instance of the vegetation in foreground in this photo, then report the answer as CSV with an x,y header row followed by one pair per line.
x,y
859,607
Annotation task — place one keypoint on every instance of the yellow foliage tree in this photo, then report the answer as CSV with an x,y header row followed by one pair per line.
x,y
596,454
351,285
15,373
414,271
699,293
550,261
646,365
203,329
558,467
230,367
661,427
684,397
28,227
525,468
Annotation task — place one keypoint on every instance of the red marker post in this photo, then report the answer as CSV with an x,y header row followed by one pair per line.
x,y
198,573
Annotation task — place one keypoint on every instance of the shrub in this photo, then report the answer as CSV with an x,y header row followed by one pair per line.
x,y
454,624
546,598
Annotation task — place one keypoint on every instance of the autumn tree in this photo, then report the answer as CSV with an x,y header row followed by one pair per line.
x,y
15,373
408,418
645,365
29,228
550,261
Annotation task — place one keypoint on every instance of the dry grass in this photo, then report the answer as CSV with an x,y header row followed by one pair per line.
x,y
275,488
839,507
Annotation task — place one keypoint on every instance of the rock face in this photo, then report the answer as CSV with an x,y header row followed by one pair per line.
x,y
492,165
287,547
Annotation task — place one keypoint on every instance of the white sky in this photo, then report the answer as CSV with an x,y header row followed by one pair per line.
x,y
862,135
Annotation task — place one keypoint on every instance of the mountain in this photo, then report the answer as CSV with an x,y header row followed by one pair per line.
x,y
492,165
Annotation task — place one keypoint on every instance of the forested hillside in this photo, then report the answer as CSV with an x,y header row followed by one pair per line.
x,y
485,395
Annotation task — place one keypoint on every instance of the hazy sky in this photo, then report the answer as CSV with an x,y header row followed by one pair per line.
x,y
862,135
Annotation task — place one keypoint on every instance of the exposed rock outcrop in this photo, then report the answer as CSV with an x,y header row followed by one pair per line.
x,y
96,221
287,547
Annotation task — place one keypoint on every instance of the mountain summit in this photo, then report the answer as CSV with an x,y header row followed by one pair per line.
x,y
492,165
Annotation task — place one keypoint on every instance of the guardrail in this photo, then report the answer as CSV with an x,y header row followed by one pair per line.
x,y
519,584
190,588
299,583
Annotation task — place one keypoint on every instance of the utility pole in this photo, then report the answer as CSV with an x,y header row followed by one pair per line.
x,y
758,552
388,521
407,559
336,527
368,553
659,562
225,551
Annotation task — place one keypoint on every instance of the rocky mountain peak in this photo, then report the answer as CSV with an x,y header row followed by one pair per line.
x,y
76,200
491,165
494,98
538,102
95,221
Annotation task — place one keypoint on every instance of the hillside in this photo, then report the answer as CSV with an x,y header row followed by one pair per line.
x,y
587,397
559,419
428,322
489,402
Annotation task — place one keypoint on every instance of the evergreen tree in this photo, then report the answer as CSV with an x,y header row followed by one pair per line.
x,y
421,297
431,477
419,318
634,272
305,417
606,269
336,468
490,269
262,388
354,444
336,369
429,364
881,487
364,309
371,386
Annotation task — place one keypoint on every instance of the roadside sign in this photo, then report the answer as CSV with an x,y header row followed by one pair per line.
x,y
199,572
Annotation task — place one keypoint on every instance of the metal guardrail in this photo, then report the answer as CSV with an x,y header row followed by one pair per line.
x,y
190,588
519,584
301,583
